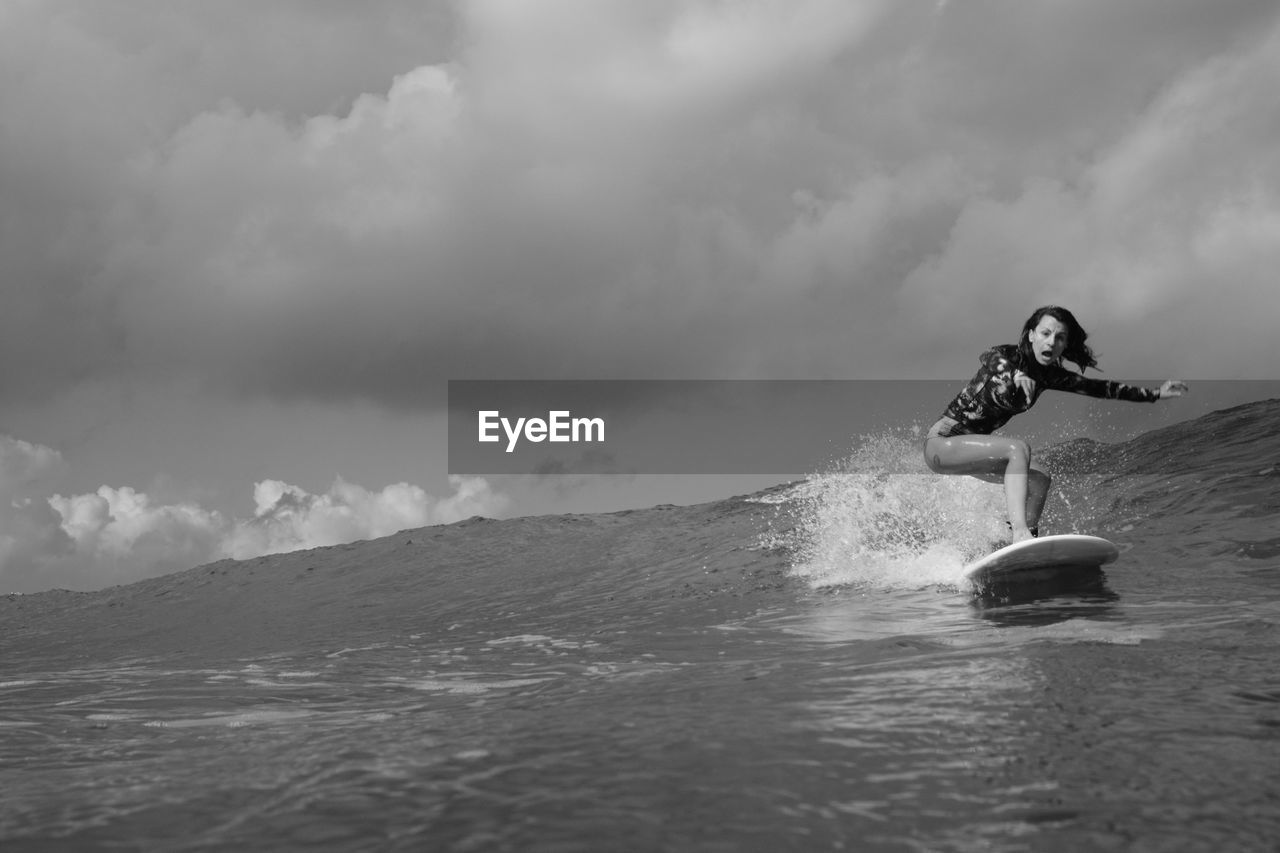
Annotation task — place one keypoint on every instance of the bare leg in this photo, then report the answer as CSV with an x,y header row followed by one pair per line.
x,y
995,459
1038,483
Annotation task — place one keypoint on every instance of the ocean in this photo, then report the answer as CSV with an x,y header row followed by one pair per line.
x,y
801,669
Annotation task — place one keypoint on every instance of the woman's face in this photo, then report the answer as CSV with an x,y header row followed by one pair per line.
x,y
1048,339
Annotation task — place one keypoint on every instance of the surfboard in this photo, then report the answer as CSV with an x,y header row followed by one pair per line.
x,y
1038,559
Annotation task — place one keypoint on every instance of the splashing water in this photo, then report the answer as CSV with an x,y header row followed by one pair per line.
x,y
880,518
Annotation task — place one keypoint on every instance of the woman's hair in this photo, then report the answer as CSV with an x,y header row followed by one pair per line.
x,y
1076,351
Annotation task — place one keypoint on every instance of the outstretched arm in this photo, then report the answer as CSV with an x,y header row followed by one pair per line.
x,y
1065,380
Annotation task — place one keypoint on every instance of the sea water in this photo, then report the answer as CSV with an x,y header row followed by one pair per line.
x,y
800,669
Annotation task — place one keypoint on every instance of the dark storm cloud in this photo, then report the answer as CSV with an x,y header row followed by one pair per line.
x,y
297,200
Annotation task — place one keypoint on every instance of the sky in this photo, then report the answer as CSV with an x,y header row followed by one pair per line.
x,y
244,245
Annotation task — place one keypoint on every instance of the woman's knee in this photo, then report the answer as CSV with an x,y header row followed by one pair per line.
x,y
931,458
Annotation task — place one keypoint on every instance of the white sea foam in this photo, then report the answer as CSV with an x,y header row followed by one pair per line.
x,y
237,720
463,685
880,518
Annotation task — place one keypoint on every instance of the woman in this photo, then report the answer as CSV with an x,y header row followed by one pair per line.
x,y
1010,381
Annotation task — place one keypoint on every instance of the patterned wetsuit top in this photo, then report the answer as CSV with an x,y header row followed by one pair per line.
x,y
992,397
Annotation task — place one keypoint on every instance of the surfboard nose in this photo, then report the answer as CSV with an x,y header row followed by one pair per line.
x,y
1061,553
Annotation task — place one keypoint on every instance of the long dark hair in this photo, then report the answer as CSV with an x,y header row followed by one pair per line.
x,y
1076,351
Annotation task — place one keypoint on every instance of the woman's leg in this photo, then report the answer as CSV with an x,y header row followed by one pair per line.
x,y
995,459
1037,493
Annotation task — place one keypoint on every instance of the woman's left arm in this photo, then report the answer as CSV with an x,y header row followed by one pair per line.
x,y
1065,380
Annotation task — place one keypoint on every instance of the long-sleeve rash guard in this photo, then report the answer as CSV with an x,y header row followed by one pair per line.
x,y
992,397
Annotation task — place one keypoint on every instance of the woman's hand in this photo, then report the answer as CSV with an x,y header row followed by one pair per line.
x,y
1026,383
1173,388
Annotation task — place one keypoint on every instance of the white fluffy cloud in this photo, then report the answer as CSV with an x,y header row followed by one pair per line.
x,y
120,535
289,518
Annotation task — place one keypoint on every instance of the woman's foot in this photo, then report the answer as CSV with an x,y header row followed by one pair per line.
x,y
1035,531
1022,534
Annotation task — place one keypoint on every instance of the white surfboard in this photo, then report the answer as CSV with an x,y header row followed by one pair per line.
x,y
1038,559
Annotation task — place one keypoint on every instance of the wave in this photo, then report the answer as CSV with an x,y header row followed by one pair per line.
x,y
878,521
881,519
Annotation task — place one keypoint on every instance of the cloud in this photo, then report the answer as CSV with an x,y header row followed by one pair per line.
x,y
288,518
682,188
120,535
1173,227
23,463
474,208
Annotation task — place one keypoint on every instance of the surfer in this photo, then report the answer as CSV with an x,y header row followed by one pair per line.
x,y
1010,380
